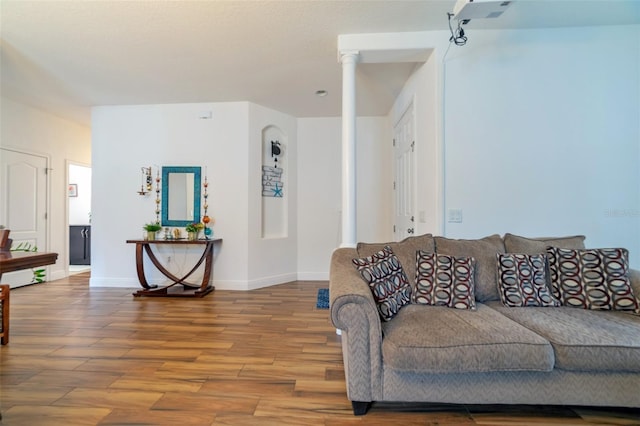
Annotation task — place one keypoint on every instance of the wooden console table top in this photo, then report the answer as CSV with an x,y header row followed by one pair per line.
x,y
188,289
17,260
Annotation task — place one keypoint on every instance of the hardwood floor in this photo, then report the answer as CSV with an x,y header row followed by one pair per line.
x,y
81,356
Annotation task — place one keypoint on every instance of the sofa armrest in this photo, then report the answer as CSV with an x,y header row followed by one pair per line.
x,y
354,312
634,277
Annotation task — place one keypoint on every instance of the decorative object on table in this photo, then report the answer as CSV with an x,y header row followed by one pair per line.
x,y
73,190
208,232
158,197
147,181
151,229
193,229
177,234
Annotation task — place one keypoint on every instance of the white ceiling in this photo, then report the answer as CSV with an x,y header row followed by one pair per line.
x,y
66,56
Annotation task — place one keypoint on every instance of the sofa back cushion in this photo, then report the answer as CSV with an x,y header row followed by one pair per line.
x,y
484,251
517,244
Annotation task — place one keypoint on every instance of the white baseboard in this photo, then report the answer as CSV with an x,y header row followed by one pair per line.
x,y
238,285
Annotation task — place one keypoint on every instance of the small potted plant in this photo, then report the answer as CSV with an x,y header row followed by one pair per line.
x,y
193,229
151,229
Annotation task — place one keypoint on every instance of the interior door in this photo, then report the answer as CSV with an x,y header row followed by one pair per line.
x,y
23,201
404,175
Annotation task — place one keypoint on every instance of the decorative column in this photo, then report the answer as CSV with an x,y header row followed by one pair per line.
x,y
349,60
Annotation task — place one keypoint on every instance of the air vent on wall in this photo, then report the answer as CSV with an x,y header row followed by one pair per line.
x,y
465,10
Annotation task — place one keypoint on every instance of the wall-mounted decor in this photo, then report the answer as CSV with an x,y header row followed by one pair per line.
x,y
158,197
180,195
275,174
272,181
272,185
147,181
73,190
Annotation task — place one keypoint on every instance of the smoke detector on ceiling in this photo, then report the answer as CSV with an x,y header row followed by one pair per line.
x,y
465,10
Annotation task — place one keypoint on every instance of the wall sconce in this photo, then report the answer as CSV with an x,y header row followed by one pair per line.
x,y
147,181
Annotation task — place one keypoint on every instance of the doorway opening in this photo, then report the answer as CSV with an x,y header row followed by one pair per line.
x,y
79,215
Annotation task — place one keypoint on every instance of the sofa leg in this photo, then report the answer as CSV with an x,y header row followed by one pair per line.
x,y
360,408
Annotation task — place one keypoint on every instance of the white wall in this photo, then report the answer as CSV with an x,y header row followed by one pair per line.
x,y
31,130
542,134
319,190
228,147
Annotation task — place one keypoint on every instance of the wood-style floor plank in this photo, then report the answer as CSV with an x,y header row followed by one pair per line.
x,y
96,356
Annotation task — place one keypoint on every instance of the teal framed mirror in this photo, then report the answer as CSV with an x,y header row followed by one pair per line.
x,y
180,195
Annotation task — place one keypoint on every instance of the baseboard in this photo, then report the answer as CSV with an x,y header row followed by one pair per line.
x,y
238,285
119,282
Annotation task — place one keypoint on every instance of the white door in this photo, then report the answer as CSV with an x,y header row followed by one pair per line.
x,y
405,175
23,201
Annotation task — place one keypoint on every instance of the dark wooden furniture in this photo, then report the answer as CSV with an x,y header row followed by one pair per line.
x,y
16,260
80,245
179,286
4,314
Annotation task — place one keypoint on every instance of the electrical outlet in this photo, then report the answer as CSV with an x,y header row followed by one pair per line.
x,y
168,259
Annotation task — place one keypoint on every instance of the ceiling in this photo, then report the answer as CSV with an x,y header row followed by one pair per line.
x,y
67,56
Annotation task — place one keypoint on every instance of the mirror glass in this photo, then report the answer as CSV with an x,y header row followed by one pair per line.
x,y
180,195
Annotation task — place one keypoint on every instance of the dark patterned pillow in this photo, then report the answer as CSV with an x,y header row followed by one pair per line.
x,y
592,279
444,280
522,280
387,281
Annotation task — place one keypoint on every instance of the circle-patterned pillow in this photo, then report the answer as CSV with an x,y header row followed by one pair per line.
x,y
444,280
387,280
592,279
522,280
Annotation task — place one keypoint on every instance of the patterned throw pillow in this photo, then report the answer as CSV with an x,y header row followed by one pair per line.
x,y
444,280
522,280
592,279
387,281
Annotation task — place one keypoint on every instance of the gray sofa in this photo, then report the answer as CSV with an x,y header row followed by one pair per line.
x,y
491,355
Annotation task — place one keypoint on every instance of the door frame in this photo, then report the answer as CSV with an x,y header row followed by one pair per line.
x,y
67,248
408,108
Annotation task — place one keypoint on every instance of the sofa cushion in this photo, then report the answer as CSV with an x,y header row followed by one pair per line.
x,y
592,279
436,339
522,280
584,340
387,280
405,250
484,252
443,280
517,244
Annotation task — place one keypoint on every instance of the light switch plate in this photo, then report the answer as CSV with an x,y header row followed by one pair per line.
x,y
454,215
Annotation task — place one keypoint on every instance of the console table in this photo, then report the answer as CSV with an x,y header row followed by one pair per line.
x,y
179,287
